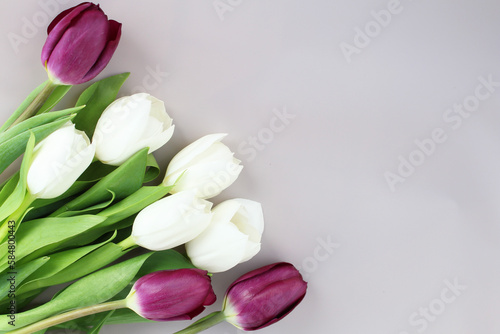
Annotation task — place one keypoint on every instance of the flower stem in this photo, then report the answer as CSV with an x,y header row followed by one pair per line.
x,y
127,243
204,323
75,314
36,104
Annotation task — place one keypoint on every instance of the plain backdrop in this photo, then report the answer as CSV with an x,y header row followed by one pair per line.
x,y
369,131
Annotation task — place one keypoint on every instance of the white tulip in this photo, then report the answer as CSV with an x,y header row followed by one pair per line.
x,y
171,221
233,236
58,161
130,124
207,167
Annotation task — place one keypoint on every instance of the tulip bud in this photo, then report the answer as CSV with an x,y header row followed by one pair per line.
x,y
207,166
171,221
264,296
130,124
171,294
58,161
232,237
80,42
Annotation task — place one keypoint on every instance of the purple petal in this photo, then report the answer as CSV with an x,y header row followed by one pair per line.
x,y
114,34
272,304
79,47
58,27
173,294
253,282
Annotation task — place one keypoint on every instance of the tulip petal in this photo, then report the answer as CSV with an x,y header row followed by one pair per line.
x,y
58,26
58,161
121,125
252,248
181,160
76,52
114,34
225,211
208,179
171,294
271,304
130,124
264,296
283,270
171,221
219,248
249,219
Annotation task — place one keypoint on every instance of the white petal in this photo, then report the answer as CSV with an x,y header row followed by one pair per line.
x,y
249,219
219,248
121,125
171,221
225,211
58,161
75,167
252,248
207,179
183,159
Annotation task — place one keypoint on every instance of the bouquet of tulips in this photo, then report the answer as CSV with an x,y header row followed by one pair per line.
x,y
79,202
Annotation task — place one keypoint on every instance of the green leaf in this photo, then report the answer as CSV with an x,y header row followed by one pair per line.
x,y
100,320
91,262
36,121
96,98
9,187
90,290
21,300
54,98
16,198
153,169
91,209
100,230
123,181
38,237
14,147
96,171
164,260
44,207
15,115
54,272
20,274
133,203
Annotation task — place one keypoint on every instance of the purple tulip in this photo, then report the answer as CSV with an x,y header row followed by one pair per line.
x,y
171,294
81,41
264,296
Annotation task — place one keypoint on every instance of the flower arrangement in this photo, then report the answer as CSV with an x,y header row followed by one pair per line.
x,y
79,202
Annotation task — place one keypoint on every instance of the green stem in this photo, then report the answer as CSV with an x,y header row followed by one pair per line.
x,y
127,243
75,314
204,323
36,104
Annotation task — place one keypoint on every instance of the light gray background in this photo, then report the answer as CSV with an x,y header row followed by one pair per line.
x,y
378,259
